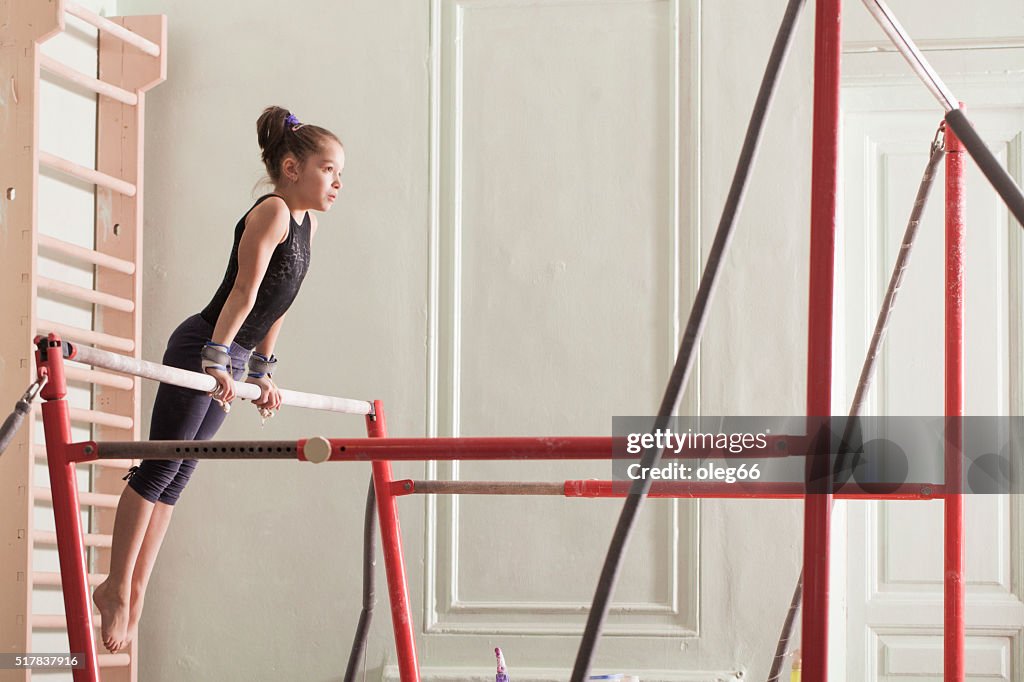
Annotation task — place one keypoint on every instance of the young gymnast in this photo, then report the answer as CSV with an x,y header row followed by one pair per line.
x,y
239,326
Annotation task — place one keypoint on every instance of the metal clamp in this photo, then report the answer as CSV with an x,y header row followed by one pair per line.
x,y
32,392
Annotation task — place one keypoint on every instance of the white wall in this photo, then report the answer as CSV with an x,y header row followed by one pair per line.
x,y
260,573
259,578
260,570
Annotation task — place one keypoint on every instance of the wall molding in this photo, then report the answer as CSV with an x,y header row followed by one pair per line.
x,y
936,45
444,342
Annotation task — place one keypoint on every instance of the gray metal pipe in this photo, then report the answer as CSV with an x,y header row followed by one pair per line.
x,y
196,449
906,47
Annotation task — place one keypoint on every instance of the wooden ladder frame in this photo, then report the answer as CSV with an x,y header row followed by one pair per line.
x,y
131,60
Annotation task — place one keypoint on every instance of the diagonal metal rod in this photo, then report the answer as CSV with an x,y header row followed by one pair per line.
x,y
357,655
691,337
906,47
867,373
1001,181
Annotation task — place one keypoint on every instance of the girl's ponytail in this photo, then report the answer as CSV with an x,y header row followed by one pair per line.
x,y
279,133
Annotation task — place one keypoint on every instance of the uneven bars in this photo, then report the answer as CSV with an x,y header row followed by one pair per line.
x,y
1001,181
206,383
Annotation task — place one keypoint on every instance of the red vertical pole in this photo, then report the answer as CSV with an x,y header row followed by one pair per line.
x,y
66,513
954,593
824,188
394,562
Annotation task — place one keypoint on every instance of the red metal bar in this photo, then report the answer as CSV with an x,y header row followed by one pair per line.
x,y
418,449
66,512
747,490
824,188
394,562
756,490
954,588
497,448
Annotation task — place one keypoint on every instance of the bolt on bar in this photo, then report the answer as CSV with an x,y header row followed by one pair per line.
x,y
205,382
318,449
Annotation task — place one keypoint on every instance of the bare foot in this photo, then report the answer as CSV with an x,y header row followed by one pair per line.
x,y
113,616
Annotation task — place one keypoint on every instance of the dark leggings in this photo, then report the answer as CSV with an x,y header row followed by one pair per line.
x,y
182,413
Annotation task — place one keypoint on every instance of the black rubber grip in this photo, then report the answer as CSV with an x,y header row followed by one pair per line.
x,y
988,163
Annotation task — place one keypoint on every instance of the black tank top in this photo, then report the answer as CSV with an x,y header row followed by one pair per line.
x,y
284,275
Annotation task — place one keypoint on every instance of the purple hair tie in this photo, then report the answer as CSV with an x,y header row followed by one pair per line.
x,y
292,121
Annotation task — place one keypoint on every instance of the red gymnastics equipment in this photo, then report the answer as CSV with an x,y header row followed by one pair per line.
x,y
381,450
63,455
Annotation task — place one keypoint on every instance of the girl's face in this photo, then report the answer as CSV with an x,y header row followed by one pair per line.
x,y
319,177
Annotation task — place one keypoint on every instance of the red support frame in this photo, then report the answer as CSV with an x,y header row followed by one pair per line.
x,y
824,190
66,516
954,596
394,562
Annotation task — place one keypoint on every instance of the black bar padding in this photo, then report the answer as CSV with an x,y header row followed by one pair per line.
x,y
988,163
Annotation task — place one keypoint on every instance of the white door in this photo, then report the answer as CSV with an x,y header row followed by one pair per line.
x,y
894,553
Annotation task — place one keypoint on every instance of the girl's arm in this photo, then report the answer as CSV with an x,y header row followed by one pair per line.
x,y
266,346
270,396
265,228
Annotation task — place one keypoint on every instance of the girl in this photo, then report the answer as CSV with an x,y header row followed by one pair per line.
x,y
240,325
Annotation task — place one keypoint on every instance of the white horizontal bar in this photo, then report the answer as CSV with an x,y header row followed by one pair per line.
x,y
52,578
48,537
87,174
85,335
50,64
116,30
85,497
899,37
87,295
78,414
206,383
88,255
91,376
